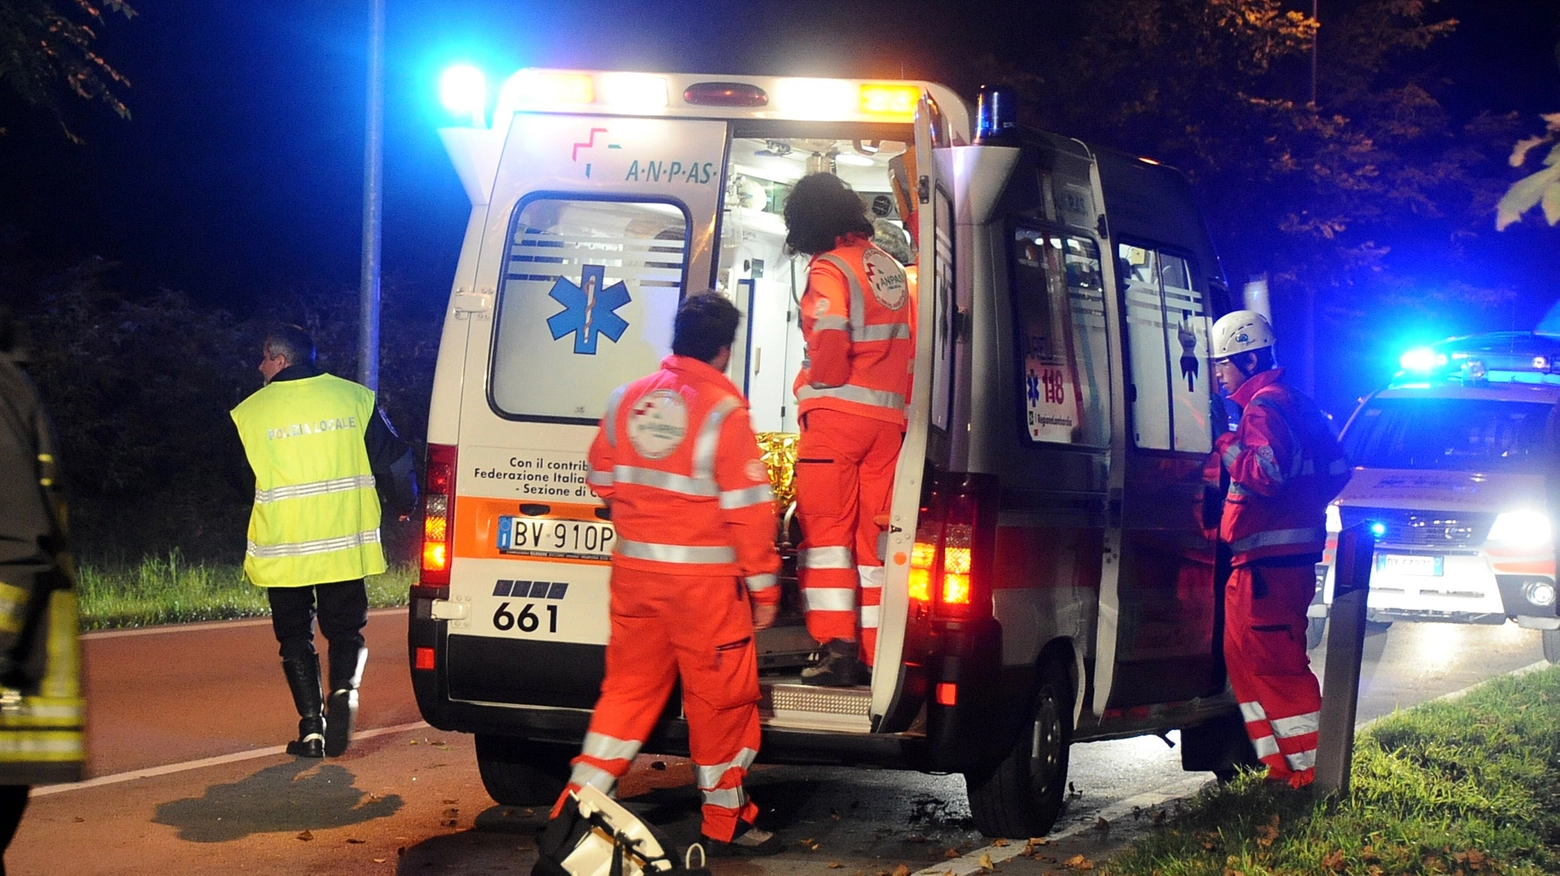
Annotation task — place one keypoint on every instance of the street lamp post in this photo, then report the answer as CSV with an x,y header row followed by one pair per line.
x,y
368,287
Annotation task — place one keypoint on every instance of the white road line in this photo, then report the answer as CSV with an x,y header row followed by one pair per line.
x,y
204,625
169,769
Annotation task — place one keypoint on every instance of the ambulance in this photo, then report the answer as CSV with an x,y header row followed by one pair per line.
x,y
1050,562
1449,477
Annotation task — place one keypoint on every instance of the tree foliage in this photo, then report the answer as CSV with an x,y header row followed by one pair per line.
x,y
46,52
1538,189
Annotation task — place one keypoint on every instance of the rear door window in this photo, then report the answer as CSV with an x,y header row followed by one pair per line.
x,y
1167,335
588,292
1063,352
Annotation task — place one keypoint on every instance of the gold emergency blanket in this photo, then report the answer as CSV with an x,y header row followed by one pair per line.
x,y
778,451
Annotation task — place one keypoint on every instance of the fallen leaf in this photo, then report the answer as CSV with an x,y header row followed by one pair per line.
x,y
1333,861
450,802
80,820
985,861
1078,862
836,865
379,860
951,853
1101,824
354,841
999,842
413,742
901,870
306,836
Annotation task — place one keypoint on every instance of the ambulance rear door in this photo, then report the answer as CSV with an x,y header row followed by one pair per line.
x,y
596,224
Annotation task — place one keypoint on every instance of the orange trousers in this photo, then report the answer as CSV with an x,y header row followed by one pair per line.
x,y
666,626
844,479
1264,649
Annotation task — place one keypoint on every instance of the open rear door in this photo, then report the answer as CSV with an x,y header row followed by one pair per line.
x,y
926,208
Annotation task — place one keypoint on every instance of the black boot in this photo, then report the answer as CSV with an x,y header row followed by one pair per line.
x,y
303,679
837,666
346,671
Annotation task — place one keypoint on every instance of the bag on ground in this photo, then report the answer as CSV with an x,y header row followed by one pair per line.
x,y
595,835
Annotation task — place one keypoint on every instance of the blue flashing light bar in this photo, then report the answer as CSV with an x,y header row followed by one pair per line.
x,y
463,91
1492,357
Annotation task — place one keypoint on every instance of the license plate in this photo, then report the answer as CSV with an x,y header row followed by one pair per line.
x,y
550,537
1403,564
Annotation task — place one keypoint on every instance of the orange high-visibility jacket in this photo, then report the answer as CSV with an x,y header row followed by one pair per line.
x,y
1285,466
856,320
676,460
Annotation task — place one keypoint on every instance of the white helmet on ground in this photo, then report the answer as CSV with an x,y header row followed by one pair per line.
x,y
1240,331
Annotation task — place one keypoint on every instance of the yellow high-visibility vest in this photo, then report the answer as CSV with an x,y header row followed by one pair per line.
x,y
316,512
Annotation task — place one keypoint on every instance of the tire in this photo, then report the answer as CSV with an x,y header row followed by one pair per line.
x,y
1314,628
1552,645
1023,796
520,772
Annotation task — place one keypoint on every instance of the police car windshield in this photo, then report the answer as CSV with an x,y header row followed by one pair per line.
x,y
1449,434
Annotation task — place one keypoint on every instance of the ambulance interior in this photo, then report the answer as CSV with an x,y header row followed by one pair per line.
x,y
766,284
754,269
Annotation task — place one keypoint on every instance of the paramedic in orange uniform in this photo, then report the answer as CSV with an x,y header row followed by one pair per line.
x,y
693,573
1284,466
851,394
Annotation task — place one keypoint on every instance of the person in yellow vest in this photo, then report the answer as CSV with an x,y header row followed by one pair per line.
x,y
40,658
322,451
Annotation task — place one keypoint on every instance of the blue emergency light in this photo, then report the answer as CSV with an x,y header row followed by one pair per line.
x,y
996,113
463,91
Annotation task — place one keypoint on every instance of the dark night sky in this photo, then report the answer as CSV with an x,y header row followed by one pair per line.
x,y
241,171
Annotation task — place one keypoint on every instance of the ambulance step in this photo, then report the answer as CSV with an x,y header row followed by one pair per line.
x,y
805,707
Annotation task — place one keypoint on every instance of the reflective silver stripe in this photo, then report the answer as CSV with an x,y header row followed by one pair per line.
x,y
707,445
35,742
585,774
1252,711
833,557
1299,725
829,598
746,497
710,776
320,546
756,583
675,553
1272,537
34,714
877,398
665,480
604,747
1302,761
858,301
1266,746
315,488
609,421
831,323
892,331
869,616
601,478
1232,450
871,576
725,798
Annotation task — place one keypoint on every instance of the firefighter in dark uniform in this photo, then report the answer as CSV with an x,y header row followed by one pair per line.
x,y
40,658
322,451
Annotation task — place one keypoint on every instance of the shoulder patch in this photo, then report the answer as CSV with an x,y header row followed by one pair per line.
x,y
886,278
657,424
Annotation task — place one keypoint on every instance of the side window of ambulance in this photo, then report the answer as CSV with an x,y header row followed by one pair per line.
x,y
1059,297
585,304
1167,333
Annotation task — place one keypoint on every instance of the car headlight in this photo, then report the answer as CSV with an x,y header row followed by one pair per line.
x,y
1522,528
1334,519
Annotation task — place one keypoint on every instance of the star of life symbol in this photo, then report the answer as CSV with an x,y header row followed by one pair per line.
x,y
588,309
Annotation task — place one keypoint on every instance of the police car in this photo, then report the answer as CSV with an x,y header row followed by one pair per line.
x,y
1449,476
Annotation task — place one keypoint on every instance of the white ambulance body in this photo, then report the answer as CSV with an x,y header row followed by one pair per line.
x,y
1050,575
1449,465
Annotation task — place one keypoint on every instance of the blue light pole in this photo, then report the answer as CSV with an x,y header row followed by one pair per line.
x,y
368,291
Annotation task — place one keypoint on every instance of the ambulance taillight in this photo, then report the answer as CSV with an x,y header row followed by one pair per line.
x,y
438,516
946,572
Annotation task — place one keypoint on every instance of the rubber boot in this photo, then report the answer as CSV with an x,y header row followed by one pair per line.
x,y
346,671
303,679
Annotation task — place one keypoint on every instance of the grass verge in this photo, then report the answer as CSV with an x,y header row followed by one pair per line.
x,y
168,590
1467,786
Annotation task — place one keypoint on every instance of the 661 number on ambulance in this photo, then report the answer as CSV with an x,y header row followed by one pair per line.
x,y
1050,571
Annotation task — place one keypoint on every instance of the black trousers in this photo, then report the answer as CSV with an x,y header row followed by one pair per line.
x,y
342,609
13,801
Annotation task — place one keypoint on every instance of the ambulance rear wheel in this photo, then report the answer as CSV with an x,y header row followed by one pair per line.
x,y
1023,795
520,772
1552,645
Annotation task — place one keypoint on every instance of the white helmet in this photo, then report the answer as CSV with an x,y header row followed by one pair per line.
x,y
1240,331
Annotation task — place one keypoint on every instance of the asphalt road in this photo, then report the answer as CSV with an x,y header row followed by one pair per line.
x,y
187,726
